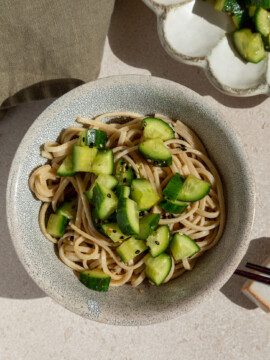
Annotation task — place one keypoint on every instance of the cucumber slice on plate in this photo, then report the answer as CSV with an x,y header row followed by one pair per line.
x,y
65,168
103,162
157,129
159,240
109,181
56,225
124,173
131,248
128,216
183,247
68,208
104,200
249,45
156,152
95,279
143,193
122,191
259,3
82,158
193,189
148,224
173,206
174,186
158,268
113,231
92,138
262,21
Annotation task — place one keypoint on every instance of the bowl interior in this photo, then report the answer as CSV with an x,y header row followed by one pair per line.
x,y
126,305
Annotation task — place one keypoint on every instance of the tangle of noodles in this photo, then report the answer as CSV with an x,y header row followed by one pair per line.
x,y
82,246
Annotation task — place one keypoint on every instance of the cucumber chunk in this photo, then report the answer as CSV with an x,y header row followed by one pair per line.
x,y
95,279
156,129
159,240
113,231
68,208
262,21
259,3
148,224
56,225
82,158
65,168
174,186
249,45
103,162
158,268
193,189
128,216
143,193
124,173
122,191
104,200
183,247
109,181
92,138
156,152
130,249
173,206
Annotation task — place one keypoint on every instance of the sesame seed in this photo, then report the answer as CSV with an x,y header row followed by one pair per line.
x,y
141,213
122,237
127,167
157,242
83,139
114,231
155,162
137,251
109,195
124,180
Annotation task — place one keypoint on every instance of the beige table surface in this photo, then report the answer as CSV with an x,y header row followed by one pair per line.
x,y
33,327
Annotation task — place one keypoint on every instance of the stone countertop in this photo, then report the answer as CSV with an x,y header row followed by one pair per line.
x,y
228,326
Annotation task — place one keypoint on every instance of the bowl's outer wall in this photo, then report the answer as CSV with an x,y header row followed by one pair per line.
x,y
126,305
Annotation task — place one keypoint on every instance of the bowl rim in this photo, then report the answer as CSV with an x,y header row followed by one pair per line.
x,y
232,262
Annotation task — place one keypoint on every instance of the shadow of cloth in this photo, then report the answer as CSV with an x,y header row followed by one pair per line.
x,y
133,38
15,282
257,252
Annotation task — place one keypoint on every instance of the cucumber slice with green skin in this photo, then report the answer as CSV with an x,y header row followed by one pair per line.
x,y
56,225
193,189
157,129
113,231
124,173
183,247
105,201
95,279
262,21
174,186
128,216
143,193
65,168
148,224
242,19
159,240
82,158
130,249
109,181
259,3
156,152
68,208
158,268
173,206
103,162
93,138
122,191
249,45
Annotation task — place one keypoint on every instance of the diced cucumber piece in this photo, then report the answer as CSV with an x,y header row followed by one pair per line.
x,y
65,168
173,206
103,162
193,189
95,279
128,216
174,186
241,19
249,45
219,5
109,181
159,240
157,129
158,268
93,138
104,200
183,247
233,6
82,158
122,191
148,224
251,10
113,231
56,225
156,152
124,173
143,193
131,248
259,3
68,208
262,21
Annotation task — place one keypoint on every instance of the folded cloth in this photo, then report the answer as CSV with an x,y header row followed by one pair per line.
x,y
48,47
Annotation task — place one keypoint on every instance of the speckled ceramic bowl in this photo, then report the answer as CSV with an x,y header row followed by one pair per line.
x,y
126,305
193,32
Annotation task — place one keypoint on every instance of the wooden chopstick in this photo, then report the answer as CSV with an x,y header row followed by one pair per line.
x,y
261,269
252,276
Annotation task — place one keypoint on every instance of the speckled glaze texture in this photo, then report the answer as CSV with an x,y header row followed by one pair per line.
x,y
193,32
126,305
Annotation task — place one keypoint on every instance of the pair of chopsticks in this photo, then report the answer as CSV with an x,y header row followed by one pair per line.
x,y
255,277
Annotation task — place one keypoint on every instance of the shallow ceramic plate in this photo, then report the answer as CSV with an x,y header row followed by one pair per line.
x,y
126,305
195,33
